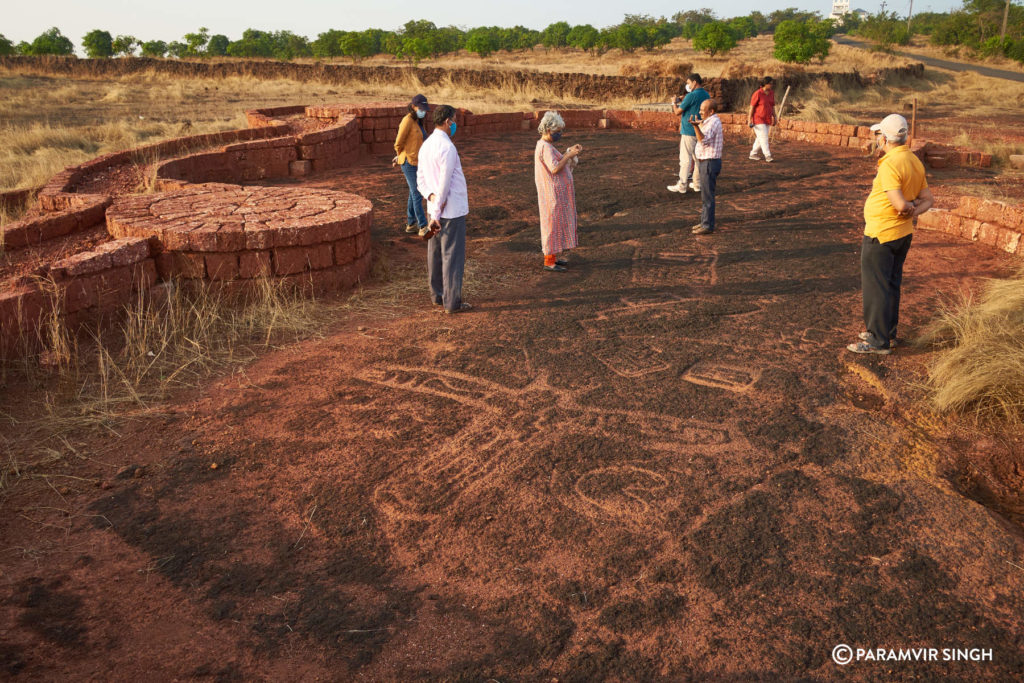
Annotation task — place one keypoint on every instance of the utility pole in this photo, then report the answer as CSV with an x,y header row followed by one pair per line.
x,y
911,13
1006,15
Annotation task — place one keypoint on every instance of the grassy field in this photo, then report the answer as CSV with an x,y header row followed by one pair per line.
x,y
49,123
753,55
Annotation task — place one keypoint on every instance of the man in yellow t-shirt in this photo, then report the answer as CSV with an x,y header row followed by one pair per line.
x,y
899,195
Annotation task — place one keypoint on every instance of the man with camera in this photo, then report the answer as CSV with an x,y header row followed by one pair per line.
x,y
708,129
686,108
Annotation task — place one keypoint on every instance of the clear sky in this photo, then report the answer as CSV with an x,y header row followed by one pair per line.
x,y
170,19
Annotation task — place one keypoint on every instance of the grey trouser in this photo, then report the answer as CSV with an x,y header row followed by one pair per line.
x,y
687,161
881,277
709,170
446,260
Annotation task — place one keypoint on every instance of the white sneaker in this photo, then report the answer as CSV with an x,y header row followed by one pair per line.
x,y
754,157
694,187
681,189
768,159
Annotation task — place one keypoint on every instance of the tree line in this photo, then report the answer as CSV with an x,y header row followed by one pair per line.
x,y
420,39
976,26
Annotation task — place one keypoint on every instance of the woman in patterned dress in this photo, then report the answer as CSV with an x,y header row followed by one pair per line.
x,y
556,194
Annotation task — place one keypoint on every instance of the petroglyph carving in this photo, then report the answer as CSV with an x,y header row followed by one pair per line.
x,y
730,377
634,361
484,452
621,490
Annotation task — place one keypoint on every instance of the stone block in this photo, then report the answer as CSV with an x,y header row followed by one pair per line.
x,y
253,264
320,256
345,251
290,260
297,169
1017,161
968,206
989,211
1008,240
988,233
970,228
126,251
1013,217
221,266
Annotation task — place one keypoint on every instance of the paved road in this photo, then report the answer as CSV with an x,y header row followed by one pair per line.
x,y
943,63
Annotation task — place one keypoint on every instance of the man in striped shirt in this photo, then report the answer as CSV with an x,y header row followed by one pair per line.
x,y
709,161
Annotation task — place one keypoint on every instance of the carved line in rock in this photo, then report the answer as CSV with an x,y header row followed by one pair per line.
x,y
482,453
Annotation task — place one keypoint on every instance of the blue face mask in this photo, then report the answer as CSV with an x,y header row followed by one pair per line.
x,y
451,129
555,137
420,113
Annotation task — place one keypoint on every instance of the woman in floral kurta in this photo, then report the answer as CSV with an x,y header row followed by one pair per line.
x,y
556,194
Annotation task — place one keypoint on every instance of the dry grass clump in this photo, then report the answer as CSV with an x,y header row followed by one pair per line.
x,y
980,366
739,69
657,67
161,344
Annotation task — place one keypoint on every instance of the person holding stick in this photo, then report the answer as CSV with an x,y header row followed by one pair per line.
x,y
761,118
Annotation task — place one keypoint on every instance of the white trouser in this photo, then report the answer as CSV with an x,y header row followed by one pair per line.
x,y
687,160
761,140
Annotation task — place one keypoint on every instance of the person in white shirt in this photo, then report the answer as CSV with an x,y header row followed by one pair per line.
x,y
439,178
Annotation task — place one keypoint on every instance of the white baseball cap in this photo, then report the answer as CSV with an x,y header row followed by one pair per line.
x,y
892,126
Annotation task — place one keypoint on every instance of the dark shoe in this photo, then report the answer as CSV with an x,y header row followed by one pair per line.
x,y
864,347
893,343
561,262
703,230
461,309
411,228
556,268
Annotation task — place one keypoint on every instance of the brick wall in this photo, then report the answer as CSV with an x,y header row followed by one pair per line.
x,y
996,224
79,289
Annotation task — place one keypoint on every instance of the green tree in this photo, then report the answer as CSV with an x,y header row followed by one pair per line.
x,y
743,27
802,41
327,44
791,14
583,37
51,42
714,38
217,46
885,29
357,45
125,45
195,43
691,21
482,41
98,44
154,48
556,34
177,49
6,47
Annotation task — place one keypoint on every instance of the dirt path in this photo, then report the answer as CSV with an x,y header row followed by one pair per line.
x,y
660,465
942,63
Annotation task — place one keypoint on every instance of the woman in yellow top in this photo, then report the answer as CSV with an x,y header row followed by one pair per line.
x,y
411,134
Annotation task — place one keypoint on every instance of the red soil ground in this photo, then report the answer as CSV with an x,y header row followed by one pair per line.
x,y
659,465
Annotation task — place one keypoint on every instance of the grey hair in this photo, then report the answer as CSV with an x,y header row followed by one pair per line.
x,y
898,140
550,123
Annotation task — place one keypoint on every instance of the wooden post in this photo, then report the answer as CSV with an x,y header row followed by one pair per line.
x,y
913,123
778,117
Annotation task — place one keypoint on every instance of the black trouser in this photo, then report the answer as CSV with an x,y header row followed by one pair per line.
x,y
881,276
709,170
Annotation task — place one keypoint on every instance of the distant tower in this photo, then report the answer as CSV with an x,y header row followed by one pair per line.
x,y
840,8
